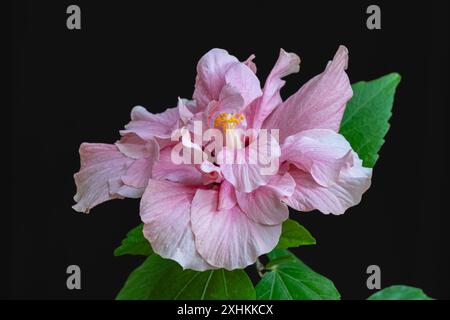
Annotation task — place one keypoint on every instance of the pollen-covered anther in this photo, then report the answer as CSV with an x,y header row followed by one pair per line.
x,y
228,120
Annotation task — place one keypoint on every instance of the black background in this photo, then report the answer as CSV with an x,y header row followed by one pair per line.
x,y
74,86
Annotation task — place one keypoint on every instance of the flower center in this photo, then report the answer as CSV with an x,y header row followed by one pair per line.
x,y
231,124
228,120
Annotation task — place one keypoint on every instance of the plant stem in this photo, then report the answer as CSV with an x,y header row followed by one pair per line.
x,y
259,267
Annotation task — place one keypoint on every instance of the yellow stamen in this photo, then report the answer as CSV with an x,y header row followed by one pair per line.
x,y
228,120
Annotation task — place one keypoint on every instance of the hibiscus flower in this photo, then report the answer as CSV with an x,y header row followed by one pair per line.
x,y
225,214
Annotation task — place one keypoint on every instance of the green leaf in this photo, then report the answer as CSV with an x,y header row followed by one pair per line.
x,y
293,234
134,243
365,121
291,279
273,264
163,279
399,292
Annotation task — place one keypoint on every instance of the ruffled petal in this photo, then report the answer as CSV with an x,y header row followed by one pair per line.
x,y
166,169
230,101
138,173
118,188
247,169
320,103
228,238
286,64
99,163
185,113
211,173
264,205
249,63
165,211
210,79
354,180
227,196
135,147
321,152
148,125
145,153
240,76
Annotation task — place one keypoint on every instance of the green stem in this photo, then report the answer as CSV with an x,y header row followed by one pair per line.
x,y
259,267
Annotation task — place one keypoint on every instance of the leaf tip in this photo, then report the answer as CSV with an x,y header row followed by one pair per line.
x,y
396,77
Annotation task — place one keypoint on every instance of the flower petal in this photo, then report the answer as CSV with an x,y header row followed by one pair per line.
x,y
227,196
121,190
230,101
138,174
210,79
249,63
146,153
148,125
247,169
135,147
321,152
99,163
211,173
228,238
185,113
337,198
320,103
286,64
264,205
245,81
244,176
165,211
166,169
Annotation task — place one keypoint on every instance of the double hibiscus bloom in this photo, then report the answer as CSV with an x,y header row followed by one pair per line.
x,y
219,214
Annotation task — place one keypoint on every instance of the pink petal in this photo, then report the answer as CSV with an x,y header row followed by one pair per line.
x,y
135,147
240,76
166,169
228,238
243,167
148,125
165,211
211,173
245,176
227,196
99,163
210,79
320,103
138,174
286,64
121,190
337,198
185,113
321,152
230,101
264,205
250,64
146,153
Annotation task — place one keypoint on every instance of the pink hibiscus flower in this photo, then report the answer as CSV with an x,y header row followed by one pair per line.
x,y
219,214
